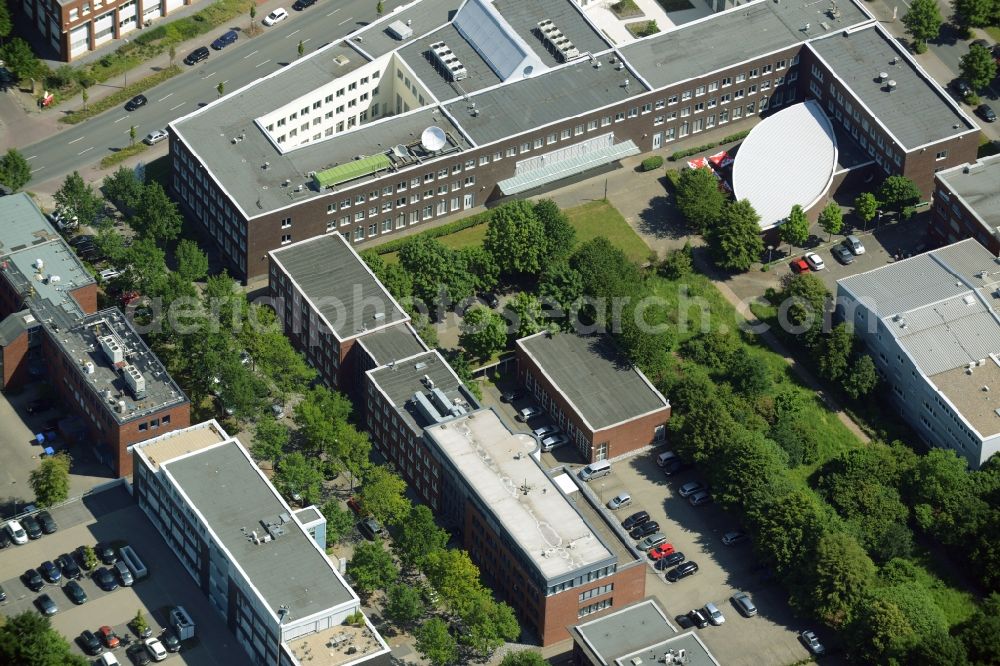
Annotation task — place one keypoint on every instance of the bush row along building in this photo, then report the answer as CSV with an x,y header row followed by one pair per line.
x,y
540,538
94,359
451,104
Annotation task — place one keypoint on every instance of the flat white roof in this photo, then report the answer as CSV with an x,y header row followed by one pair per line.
x,y
788,159
498,466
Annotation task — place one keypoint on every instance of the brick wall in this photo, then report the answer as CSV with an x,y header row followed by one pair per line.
x,y
15,362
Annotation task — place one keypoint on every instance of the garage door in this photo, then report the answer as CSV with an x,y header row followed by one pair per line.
x,y
174,4
79,40
104,27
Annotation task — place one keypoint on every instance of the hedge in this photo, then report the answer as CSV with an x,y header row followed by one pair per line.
x,y
681,154
121,96
122,154
445,229
651,163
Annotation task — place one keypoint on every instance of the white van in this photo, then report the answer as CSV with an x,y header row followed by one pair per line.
x,y
108,659
595,470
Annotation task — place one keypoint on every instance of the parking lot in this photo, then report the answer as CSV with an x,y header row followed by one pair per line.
x,y
112,516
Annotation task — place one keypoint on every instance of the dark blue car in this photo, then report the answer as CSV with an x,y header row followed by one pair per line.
x,y
225,40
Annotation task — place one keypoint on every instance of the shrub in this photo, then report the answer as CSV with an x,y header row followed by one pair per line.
x,y
120,96
122,154
681,154
436,232
652,163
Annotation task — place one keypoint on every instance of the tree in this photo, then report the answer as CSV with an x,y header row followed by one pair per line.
x,y
560,286
488,624
699,199
939,649
749,373
270,440
301,48
89,557
6,25
808,302
898,192
560,235
78,196
28,639
923,23
515,237
978,67
795,229
372,567
879,632
384,496
435,269
157,216
146,266
435,644
297,475
404,605
841,575
20,60
139,622
131,135
833,352
677,264
123,189
524,314
981,632
221,88
453,575
735,241
480,267
418,536
15,172
866,206
339,521
192,263
50,480
831,219
788,527
974,13
379,8
484,332
524,658
861,378
85,97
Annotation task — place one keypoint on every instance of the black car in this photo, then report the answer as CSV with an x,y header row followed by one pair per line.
x,y
136,102
490,299
985,112
302,4
89,643
48,523
170,641
225,39
138,654
673,467
75,592
82,238
645,529
70,569
636,519
961,88
33,580
670,560
698,618
46,605
683,621
512,395
842,254
105,553
105,579
31,526
980,42
50,571
682,571
197,55
3,594
5,539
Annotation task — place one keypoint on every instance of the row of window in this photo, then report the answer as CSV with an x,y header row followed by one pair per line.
x,y
596,592
336,98
595,608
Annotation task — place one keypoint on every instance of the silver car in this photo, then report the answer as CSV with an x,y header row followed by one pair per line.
x,y
620,500
744,604
155,137
652,541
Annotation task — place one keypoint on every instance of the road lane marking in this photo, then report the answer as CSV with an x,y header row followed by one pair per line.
x,y
82,152
345,21
290,34
164,97
174,108
121,119
75,140
208,75
263,63
31,158
334,11
249,54
38,169
306,40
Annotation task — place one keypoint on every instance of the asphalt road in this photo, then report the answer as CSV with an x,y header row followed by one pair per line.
x,y
235,66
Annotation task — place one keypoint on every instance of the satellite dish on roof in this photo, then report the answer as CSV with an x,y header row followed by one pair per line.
x,y
433,138
400,150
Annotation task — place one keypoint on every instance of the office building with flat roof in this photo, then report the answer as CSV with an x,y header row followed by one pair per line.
x,y
250,552
447,105
932,325
118,390
967,203
605,404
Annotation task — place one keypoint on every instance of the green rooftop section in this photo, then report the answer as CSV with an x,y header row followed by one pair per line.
x,y
345,172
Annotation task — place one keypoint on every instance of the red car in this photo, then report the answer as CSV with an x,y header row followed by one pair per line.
x,y
800,266
662,550
354,504
108,636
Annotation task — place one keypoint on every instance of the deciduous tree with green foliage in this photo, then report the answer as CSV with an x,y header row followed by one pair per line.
x,y
515,237
156,216
833,352
978,67
831,219
192,263
898,192
789,526
981,632
78,196
339,521
28,639
484,332
524,314
20,60
923,23
866,206
560,235
861,377
383,494
749,373
15,172
50,480
524,658
404,605
6,25
270,439
699,199
735,240
488,625
841,574
807,301
298,475
318,416
795,229
372,567
123,189
435,643
560,286
974,13
677,264
452,574
418,536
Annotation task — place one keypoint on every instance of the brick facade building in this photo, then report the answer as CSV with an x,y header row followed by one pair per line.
x,y
967,204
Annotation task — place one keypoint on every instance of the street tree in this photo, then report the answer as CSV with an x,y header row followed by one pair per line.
x,y
861,378
172,53
297,475
139,623
28,639
807,300
866,206
418,536
488,625
379,8
339,521
515,237
560,235
15,172
383,494
404,605
735,240
923,23
131,135
795,229
78,196
192,263
156,216
524,314
221,88
974,13
898,192
841,574
978,67
831,219
301,48
123,189
372,567
50,480
453,575
20,60
84,97
270,439
435,643
699,199
484,332
318,416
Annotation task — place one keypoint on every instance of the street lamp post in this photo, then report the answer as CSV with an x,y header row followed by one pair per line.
x,y
125,73
770,248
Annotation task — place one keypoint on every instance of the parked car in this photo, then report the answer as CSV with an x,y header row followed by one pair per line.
x,y
370,528
75,592
136,102
5,539
673,467
32,527
105,553
715,616
155,137
854,244
278,15
620,500
842,254
197,55
156,649
490,299
17,533
981,43
734,538
671,560
170,641
546,430
302,4
683,570
961,88
799,266
89,643
82,238
554,441
105,579
512,395
744,604
108,637
124,574
46,605
652,541
33,580
109,274
811,642
683,621
50,571
636,519
661,551
698,618
815,261
528,413
48,524
3,594
985,111
278,411
690,488
644,529
138,654
699,498
225,39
